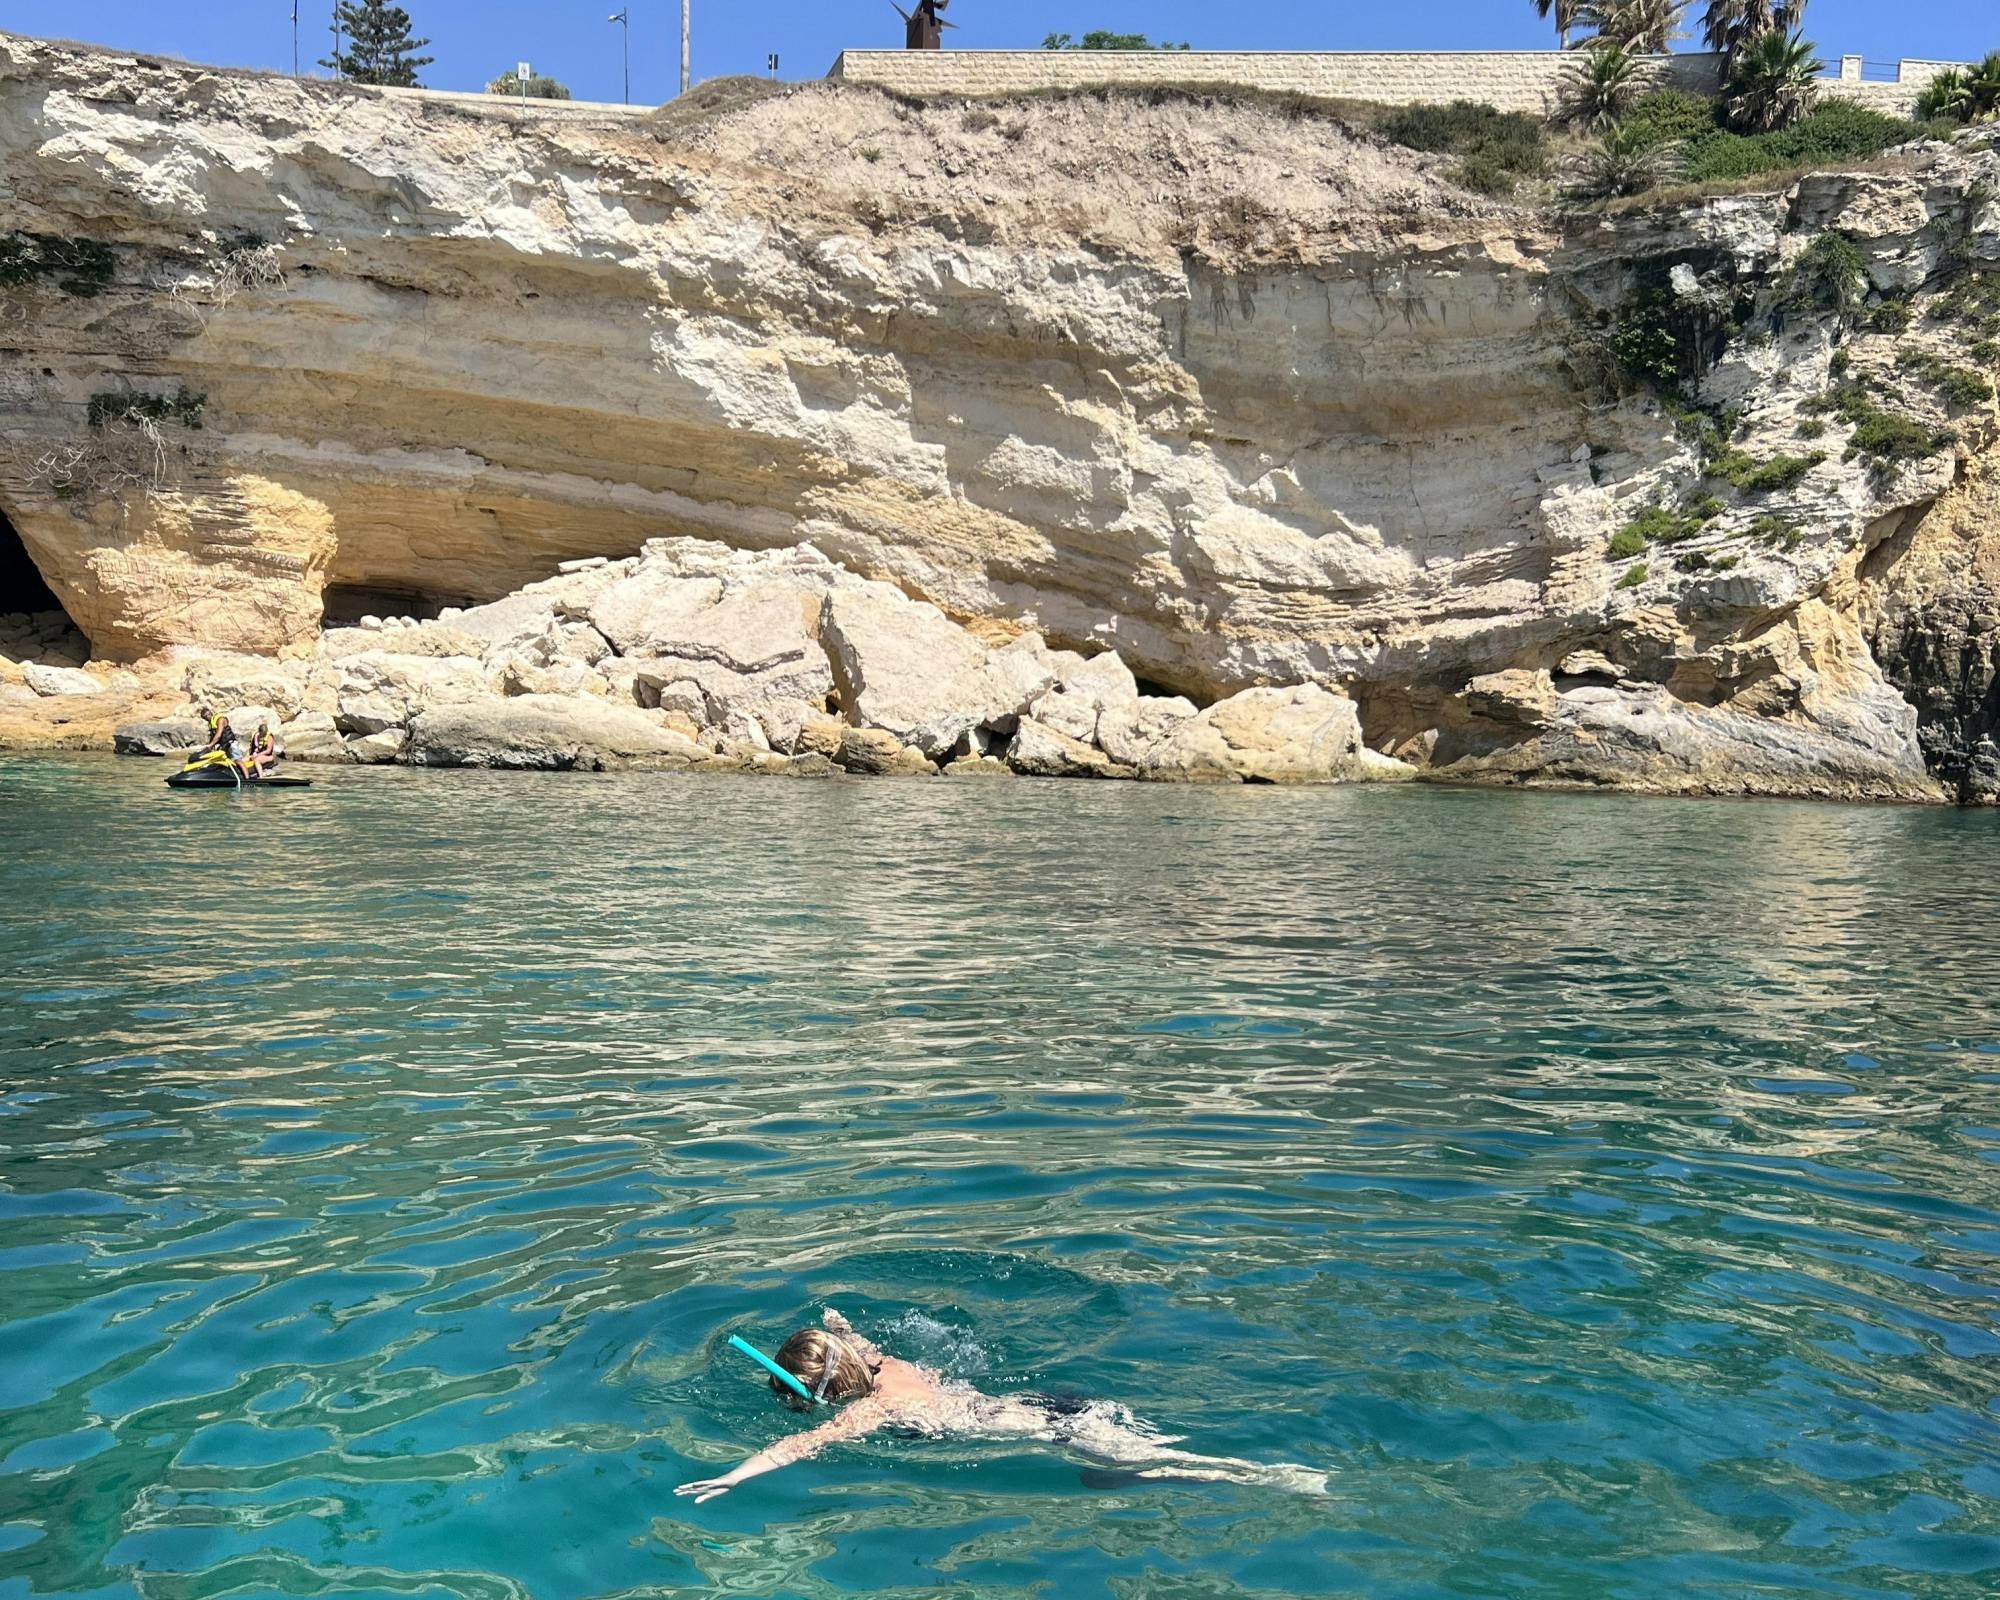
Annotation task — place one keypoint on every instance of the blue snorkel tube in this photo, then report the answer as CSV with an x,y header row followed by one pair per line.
x,y
773,1368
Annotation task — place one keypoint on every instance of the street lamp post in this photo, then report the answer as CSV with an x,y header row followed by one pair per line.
x,y
295,38
624,20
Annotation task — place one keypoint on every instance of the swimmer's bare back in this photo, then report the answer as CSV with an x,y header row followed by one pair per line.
x,y
906,1395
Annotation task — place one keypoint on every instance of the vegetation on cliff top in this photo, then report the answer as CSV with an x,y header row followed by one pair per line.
x,y
538,87
1104,39
380,46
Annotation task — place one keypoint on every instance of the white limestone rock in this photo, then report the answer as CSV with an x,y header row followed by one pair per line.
x,y
1300,734
1081,693
546,732
165,737
1039,751
54,682
902,666
383,689
313,736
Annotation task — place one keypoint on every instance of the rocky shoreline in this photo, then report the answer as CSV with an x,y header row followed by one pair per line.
x,y
691,655
828,430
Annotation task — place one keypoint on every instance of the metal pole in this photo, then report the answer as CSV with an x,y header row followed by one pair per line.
x,y
684,46
295,38
623,17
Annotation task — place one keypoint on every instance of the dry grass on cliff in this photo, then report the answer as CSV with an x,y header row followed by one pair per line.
x,y
1237,179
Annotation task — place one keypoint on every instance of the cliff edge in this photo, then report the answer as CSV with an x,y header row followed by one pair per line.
x,y
1678,496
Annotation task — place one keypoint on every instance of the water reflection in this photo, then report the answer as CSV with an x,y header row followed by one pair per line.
x,y
1606,1189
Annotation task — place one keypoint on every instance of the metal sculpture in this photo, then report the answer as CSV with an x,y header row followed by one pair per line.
x,y
923,29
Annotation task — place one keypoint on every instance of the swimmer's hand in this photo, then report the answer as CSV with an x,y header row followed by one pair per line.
x,y
706,1489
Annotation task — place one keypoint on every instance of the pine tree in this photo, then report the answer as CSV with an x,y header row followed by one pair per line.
x,y
380,49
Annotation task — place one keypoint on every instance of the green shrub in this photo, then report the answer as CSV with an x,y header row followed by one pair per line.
x,y
108,407
81,267
869,154
1893,315
1708,431
1831,275
1985,351
1811,428
1105,39
1848,401
1496,149
1776,532
1634,576
1692,561
1961,386
1766,477
1671,116
1645,341
1888,440
1839,362
540,86
1835,133
1973,301
1658,525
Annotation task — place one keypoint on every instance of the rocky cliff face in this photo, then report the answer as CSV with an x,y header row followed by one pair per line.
x,y
1236,396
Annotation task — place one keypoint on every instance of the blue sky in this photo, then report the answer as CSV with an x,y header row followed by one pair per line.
x,y
474,40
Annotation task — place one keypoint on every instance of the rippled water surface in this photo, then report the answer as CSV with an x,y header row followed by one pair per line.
x,y
1606,1191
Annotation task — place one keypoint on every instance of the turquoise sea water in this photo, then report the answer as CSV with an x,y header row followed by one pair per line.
x,y
1607,1191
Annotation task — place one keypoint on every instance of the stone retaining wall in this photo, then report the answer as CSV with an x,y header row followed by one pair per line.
x,y
1512,80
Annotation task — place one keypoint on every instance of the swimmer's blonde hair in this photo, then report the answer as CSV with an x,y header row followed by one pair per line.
x,y
806,1356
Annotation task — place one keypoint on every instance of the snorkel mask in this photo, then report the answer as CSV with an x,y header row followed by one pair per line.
x,y
813,1396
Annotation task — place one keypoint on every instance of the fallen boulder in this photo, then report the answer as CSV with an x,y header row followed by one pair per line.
x,y
1038,751
904,667
50,682
166,737
545,732
875,753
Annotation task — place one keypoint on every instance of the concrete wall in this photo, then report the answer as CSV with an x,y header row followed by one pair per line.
x,y
1512,80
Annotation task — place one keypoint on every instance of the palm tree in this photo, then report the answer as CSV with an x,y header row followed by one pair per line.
x,y
1947,97
1599,86
1982,86
1771,85
1565,13
1622,163
1728,25
1643,27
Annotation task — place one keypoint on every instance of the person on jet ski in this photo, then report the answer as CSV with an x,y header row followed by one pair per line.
x,y
263,752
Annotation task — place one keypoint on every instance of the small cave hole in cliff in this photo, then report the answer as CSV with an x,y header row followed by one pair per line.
x,y
33,623
345,604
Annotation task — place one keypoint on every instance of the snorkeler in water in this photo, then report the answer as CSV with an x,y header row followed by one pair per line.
x,y
837,1364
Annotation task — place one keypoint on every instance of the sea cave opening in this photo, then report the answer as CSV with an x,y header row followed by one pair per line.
x,y
33,623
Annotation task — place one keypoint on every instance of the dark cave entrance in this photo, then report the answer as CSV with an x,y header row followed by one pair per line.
x,y
22,587
345,604
34,626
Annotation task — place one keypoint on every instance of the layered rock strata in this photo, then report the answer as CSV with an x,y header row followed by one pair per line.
x,y
1323,454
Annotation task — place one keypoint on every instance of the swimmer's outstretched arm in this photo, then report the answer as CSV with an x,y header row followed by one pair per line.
x,y
857,1421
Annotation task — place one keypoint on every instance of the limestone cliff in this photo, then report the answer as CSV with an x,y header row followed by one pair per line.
x,y
1236,395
